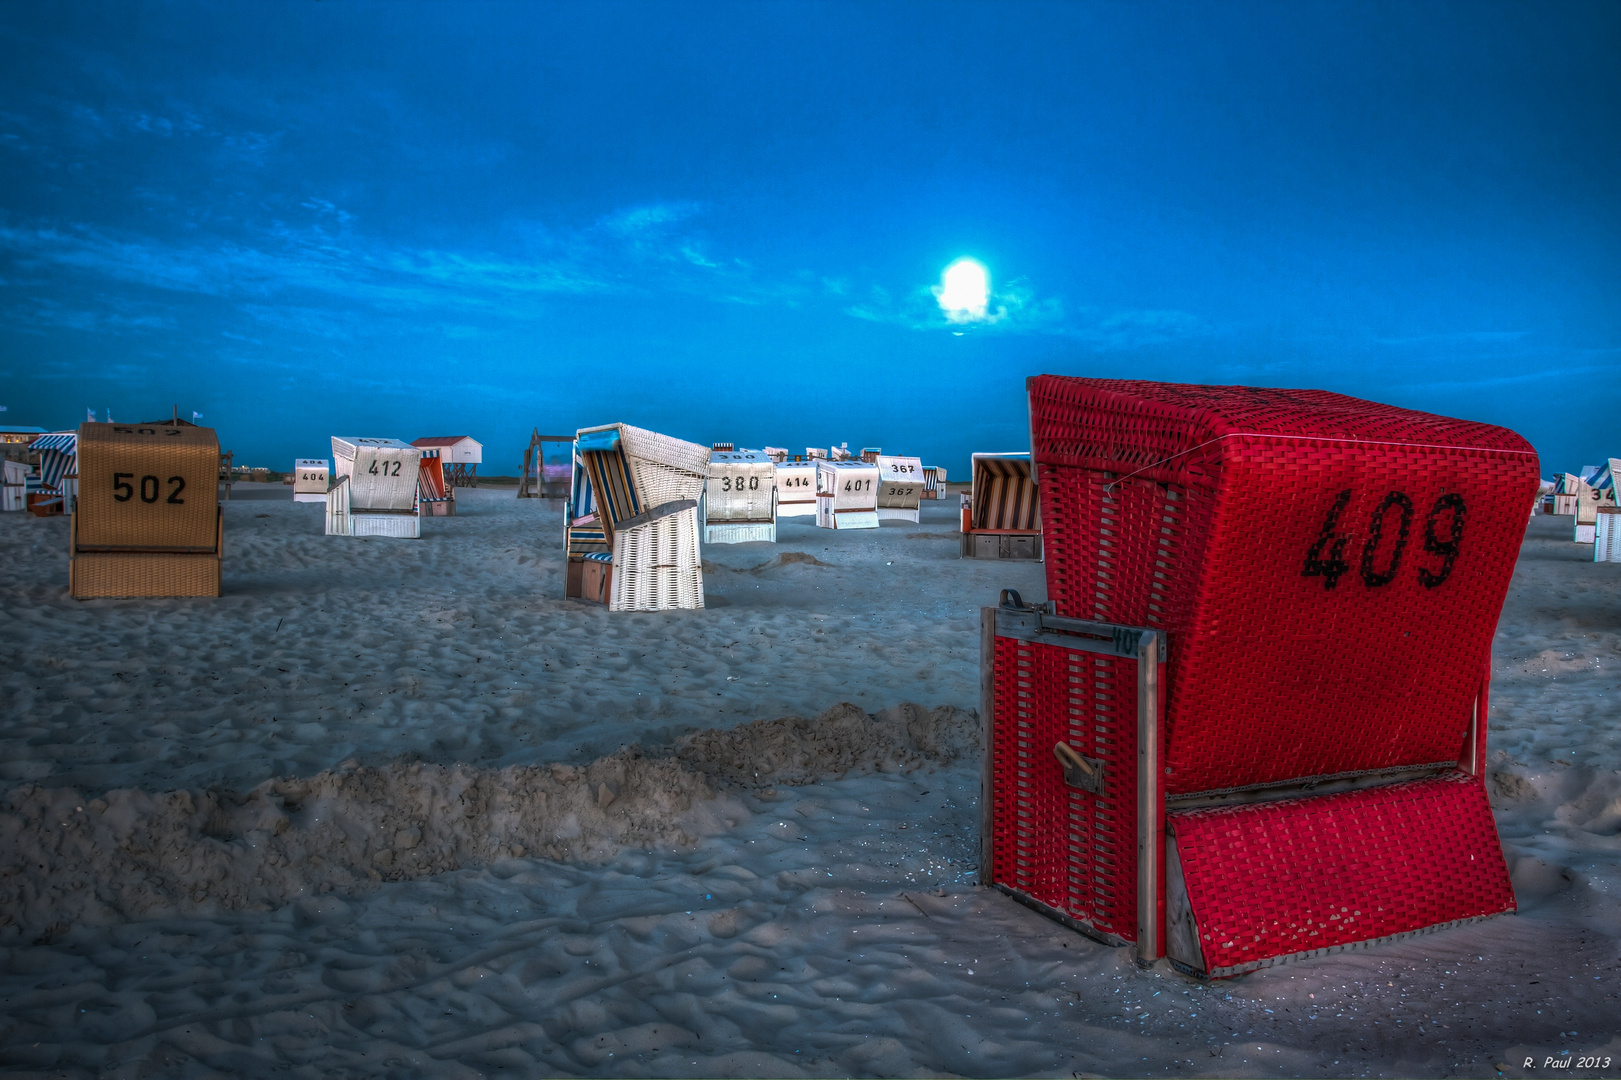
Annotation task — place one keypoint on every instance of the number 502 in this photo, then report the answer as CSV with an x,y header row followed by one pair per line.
x,y
124,491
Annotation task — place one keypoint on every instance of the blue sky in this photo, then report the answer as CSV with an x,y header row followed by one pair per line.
x,y
724,221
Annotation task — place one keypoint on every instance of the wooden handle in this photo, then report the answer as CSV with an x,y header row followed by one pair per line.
x,y
1068,757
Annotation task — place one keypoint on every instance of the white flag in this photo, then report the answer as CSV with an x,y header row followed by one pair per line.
x,y
89,414
196,416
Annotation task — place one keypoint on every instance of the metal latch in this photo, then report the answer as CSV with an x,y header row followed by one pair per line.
x,y
1079,771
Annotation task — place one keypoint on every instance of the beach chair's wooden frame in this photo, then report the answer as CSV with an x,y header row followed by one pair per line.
x,y
532,484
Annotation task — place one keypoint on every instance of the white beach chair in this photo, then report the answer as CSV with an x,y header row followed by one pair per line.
x,y
900,487
642,489
740,498
375,493
846,494
16,482
1607,534
796,489
311,478
1596,493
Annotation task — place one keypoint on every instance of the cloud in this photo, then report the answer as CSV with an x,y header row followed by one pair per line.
x,y
1458,337
653,217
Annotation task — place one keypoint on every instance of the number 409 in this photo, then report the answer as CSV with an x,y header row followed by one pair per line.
x,y
1326,559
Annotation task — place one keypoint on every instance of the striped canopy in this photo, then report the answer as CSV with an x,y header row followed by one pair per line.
x,y
58,454
1004,495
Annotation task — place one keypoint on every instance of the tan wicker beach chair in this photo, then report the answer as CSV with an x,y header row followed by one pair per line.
x,y
148,523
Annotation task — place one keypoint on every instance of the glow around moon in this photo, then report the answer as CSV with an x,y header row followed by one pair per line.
x,y
964,291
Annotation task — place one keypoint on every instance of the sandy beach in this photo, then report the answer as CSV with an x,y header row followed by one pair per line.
x,y
396,808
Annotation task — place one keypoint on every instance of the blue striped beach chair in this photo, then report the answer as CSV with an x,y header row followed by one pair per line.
x,y
635,497
54,489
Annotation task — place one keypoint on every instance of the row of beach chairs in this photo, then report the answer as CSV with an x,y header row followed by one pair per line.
x,y
1590,499
639,502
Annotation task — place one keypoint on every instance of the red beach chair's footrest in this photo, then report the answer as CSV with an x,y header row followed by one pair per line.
x,y
1249,886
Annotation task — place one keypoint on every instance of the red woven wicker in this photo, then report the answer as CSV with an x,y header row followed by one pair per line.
x,y
1271,880
1069,849
1327,574
1330,570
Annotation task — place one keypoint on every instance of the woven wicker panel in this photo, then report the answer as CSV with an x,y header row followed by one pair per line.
x,y
1274,879
656,565
148,487
1264,531
740,487
1070,849
796,489
853,484
406,526
131,574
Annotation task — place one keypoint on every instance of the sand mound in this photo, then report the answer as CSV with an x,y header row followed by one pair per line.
x,y
793,750
788,558
132,854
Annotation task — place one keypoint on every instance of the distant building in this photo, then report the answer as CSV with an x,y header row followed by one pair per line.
x,y
460,455
13,433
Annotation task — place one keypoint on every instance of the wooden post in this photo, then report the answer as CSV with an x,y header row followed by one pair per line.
x,y
531,459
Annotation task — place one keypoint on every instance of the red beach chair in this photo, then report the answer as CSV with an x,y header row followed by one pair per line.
x,y
1250,723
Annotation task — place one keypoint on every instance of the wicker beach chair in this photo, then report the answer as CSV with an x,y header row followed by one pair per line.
x,y
1607,534
311,478
934,478
1001,516
13,490
1250,722
149,523
1597,499
847,494
435,494
900,487
376,491
740,498
796,489
639,490
50,491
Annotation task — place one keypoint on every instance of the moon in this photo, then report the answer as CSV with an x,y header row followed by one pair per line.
x,y
964,291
